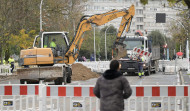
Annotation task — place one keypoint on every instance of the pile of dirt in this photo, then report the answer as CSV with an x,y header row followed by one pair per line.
x,y
81,72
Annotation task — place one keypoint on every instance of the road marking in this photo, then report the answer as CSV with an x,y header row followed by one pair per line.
x,y
140,81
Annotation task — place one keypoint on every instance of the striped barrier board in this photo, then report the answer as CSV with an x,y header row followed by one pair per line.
x,y
138,91
19,90
177,92
70,91
140,51
81,97
19,97
160,91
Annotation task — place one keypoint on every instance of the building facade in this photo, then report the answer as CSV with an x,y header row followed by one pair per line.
x,y
145,15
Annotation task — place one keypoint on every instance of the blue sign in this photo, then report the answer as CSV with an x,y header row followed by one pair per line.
x,y
168,54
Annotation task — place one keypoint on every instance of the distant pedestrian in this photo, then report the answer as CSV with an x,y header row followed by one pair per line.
x,y
84,58
11,62
174,57
112,88
80,59
164,56
92,57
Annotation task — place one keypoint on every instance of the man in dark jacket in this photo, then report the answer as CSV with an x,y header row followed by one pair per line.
x,y
112,88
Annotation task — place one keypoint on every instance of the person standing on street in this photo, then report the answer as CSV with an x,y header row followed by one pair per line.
x,y
112,88
140,65
11,62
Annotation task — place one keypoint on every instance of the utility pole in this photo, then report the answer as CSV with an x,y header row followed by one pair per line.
x,y
94,46
105,43
41,15
187,53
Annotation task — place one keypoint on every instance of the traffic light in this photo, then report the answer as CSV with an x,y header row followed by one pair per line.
x,y
160,17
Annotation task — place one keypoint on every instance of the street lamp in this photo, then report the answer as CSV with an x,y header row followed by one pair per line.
x,y
105,43
187,46
184,29
41,15
94,46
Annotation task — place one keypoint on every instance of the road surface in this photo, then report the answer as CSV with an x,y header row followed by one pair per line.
x,y
154,79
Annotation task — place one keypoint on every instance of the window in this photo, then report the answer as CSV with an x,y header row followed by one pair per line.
x,y
136,4
96,7
139,27
38,42
144,8
58,39
139,11
130,44
88,8
139,19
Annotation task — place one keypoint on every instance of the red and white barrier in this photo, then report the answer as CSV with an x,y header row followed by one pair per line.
x,y
138,91
81,97
160,91
19,97
19,90
140,51
69,91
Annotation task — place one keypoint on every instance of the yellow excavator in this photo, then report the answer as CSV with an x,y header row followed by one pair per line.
x,y
54,55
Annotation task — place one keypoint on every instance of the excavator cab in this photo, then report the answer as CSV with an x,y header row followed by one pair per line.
x,y
44,40
57,41
43,53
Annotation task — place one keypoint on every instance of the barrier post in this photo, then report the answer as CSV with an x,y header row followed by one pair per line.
x,y
42,97
188,98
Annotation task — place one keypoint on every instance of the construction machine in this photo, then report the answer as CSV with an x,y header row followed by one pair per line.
x,y
55,62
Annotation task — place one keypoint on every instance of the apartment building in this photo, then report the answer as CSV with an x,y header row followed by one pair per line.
x,y
145,15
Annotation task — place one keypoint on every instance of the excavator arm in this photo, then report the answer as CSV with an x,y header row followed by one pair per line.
x,y
98,19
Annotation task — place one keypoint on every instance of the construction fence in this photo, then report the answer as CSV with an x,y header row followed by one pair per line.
x,y
170,67
5,70
31,97
96,66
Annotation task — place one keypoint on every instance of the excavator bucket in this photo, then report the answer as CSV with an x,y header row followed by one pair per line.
x,y
120,51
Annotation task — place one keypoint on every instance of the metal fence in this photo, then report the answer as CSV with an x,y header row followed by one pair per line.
x,y
180,64
81,98
98,66
5,70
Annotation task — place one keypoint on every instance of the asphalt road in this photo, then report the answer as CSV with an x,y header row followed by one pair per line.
x,y
154,79
186,77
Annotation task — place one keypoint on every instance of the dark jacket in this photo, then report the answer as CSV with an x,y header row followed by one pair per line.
x,y
112,88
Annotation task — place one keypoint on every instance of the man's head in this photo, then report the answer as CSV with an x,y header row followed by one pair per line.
x,y
54,40
115,65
